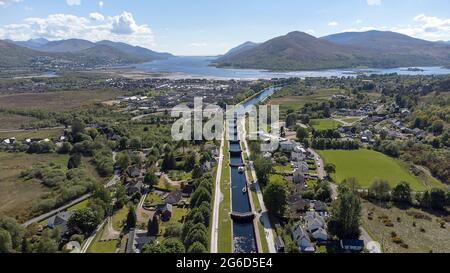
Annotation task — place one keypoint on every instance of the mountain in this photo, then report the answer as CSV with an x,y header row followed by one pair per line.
x,y
376,49
103,54
240,48
70,45
294,51
136,51
72,54
379,40
14,55
35,44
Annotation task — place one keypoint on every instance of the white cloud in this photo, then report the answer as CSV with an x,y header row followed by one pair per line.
x,y
96,27
311,31
96,16
5,3
333,24
373,2
73,2
427,27
359,21
101,4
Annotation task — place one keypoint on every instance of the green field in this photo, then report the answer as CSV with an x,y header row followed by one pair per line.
x,y
325,124
41,133
19,196
224,244
367,165
287,101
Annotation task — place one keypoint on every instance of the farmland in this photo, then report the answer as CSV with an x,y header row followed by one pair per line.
x,y
288,101
56,101
415,231
18,196
367,165
325,124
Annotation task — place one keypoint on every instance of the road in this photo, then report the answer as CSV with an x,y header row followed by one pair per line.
x,y
368,241
217,199
56,211
263,214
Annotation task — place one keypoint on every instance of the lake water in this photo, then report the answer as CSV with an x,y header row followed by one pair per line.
x,y
200,67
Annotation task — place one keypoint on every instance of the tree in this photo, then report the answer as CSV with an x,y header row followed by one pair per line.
x,y
346,215
323,192
189,161
169,162
65,148
302,133
402,193
200,195
349,184
275,196
197,247
135,143
123,160
131,217
437,127
205,210
330,168
291,119
84,220
196,235
150,179
11,234
173,245
153,226
154,247
438,199
78,126
380,190
120,196
5,242
263,167
173,230
197,172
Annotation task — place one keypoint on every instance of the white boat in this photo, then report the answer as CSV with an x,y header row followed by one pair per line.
x,y
244,189
241,169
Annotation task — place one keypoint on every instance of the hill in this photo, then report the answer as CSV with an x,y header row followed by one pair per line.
x,y
375,49
240,48
136,51
70,45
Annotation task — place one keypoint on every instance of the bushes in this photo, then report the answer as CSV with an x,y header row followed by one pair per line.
x,y
195,229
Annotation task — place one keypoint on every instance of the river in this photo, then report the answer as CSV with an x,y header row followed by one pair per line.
x,y
200,67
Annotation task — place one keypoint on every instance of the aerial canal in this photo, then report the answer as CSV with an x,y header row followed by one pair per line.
x,y
244,236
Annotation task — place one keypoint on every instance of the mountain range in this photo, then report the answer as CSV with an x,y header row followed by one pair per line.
x,y
301,51
23,53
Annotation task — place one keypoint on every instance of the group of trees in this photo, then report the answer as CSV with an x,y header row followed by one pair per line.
x,y
192,236
334,144
321,191
346,211
436,199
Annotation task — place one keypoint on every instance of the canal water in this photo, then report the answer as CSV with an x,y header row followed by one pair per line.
x,y
244,238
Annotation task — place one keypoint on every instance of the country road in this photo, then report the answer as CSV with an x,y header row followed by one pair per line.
x,y
263,214
217,199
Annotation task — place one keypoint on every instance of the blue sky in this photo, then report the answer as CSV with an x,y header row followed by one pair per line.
x,y
209,27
